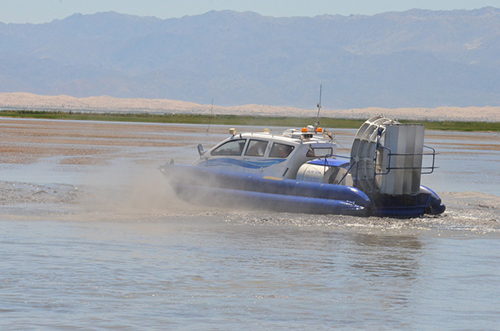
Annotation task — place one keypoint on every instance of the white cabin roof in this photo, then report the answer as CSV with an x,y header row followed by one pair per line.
x,y
290,136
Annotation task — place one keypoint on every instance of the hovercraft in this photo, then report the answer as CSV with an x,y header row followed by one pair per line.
x,y
299,171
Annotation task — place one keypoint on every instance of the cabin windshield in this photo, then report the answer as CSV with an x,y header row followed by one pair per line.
x,y
233,147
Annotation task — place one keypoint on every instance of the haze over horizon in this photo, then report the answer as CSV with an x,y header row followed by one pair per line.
x,y
35,11
415,58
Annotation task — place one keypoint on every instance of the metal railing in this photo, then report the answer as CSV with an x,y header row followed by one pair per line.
x,y
390,155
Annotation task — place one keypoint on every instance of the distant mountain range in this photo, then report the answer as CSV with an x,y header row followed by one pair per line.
x,y
417,58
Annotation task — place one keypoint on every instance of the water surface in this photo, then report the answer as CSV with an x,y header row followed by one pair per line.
x,y
98,241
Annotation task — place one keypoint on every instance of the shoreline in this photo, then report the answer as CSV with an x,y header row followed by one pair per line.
x,y
217,119
21,101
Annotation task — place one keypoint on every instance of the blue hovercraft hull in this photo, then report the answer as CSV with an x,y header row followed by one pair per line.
x,y
235,189
219,188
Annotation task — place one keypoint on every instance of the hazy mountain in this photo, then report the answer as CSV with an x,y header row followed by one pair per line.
x,y
417,58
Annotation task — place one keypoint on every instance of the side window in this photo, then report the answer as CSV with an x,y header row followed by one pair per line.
x,y
256,148
233,147
280,150
319,152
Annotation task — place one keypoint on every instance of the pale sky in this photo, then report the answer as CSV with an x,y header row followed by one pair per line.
x,y
41,11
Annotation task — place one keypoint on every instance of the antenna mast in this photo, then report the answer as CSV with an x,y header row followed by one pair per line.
x,y
316,125
211,116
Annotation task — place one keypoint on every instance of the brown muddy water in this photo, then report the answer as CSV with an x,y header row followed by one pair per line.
x,y
93,238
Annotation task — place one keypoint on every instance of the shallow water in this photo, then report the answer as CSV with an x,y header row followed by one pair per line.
x,y
208,272
106,245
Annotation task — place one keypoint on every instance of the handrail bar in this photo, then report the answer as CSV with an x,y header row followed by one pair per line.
x,y
342,157
390,155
